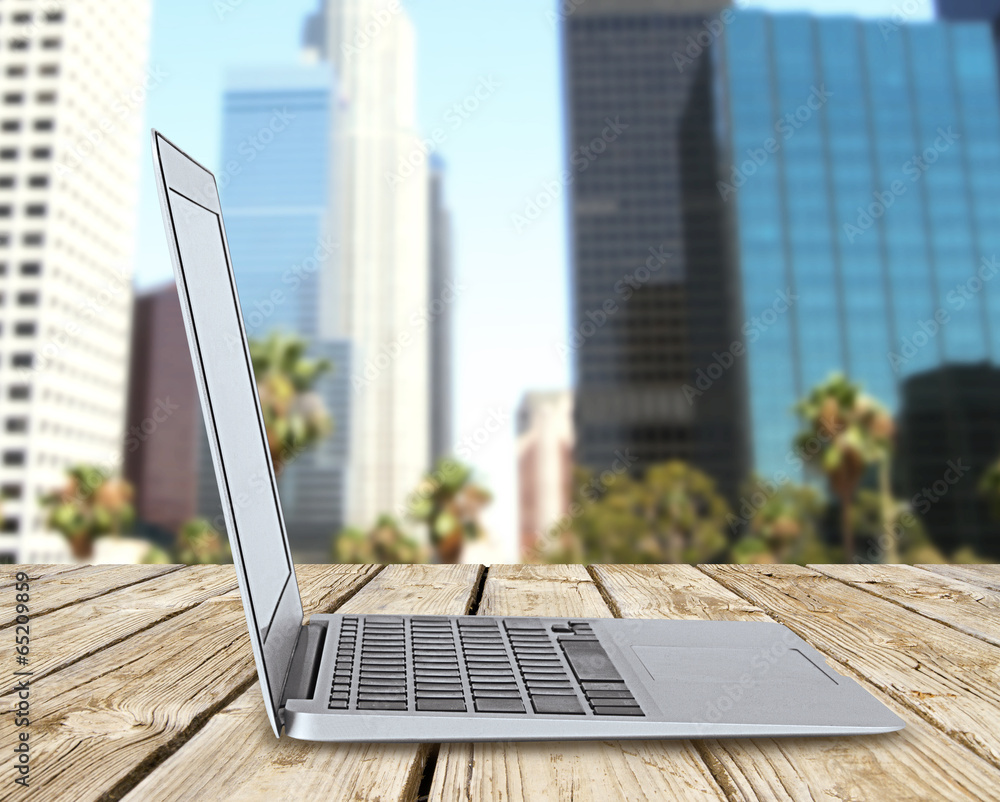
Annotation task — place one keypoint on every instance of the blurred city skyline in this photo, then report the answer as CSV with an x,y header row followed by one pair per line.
x,y
496,158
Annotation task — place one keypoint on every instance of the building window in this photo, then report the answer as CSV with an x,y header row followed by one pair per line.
x,y
46,97
13,458
41,153
16,425
51,44
48,69
27,299
11,125
13,98
44,125
19,392
16,71
22,360
11,491
7,154
18,44
21,17
7,181
4,211
31,269
25,329
11,526
53,16
3,268
35,210
33,239
38,181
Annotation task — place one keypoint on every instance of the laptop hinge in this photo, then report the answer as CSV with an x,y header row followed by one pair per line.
x,y
302,673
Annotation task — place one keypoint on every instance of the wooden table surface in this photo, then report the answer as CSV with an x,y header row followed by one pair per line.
x,y
144,688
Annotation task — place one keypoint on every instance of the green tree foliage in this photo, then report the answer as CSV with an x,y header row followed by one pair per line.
x,y
785,528
385,543
844,433
90,505
295,417
450,503
674,514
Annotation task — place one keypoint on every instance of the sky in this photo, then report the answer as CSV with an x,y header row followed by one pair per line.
x,y
512,309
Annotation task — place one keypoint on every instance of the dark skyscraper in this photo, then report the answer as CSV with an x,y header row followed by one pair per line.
x,y
653,306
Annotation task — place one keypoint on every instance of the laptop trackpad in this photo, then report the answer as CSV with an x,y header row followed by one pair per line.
x,y
726,664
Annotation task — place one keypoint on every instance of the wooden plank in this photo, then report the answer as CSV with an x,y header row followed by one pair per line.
x,y
63,588
970,608
588,770
72,632
944,675
918,763
145,694
36,571
987,576
236,756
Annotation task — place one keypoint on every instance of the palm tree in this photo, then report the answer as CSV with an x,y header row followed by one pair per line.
x,y
674,514
295,417
90,505
386,543
844,434
450,503
784,529
199,543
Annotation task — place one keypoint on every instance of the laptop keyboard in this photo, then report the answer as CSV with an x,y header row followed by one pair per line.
x,y
430,664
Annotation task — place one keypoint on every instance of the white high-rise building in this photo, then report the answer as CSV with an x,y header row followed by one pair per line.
x,y
73,81
380,302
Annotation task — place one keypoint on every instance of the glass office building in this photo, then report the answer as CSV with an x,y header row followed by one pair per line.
x,y
275,183
861,174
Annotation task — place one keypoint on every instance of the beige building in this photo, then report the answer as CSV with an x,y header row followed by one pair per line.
x,y
544,465
73,81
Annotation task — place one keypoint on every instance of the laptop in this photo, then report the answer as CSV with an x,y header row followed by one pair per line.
x,y
425,678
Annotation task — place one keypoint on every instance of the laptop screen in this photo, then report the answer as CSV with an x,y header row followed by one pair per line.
x,y
235,426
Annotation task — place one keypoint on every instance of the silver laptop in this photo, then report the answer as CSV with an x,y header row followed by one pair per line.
x,y
459,678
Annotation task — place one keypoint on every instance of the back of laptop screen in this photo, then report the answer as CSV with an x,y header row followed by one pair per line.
x,y
234,419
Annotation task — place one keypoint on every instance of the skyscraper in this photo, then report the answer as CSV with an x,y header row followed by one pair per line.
x,y
442,298
277,184
544,466
382,218
164,415
69,178
652,296
972,11
861,171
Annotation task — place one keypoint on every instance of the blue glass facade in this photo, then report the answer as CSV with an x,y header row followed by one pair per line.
x,y
274,182
861,170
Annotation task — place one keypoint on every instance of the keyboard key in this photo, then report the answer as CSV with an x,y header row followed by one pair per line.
x,y
424,686
499,705
441,705
589,661
609,694
617,711
380,705
338,704
604,686
563,705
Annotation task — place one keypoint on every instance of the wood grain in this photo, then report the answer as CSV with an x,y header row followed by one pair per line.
x,y
987,576
578,771
950,678
236,756
970,608
36,571
143,695
918,763
62,588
